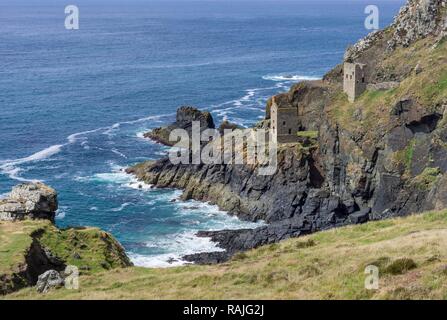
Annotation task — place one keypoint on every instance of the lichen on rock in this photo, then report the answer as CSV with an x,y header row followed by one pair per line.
x,y
29,200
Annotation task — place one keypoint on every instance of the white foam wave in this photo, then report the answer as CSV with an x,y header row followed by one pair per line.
x,y
117,176
75,136
158,261
61,212
115,151
288,77
111,177
11,169
180,244
141,134
139,185
40,155
121,207
12,172
219,219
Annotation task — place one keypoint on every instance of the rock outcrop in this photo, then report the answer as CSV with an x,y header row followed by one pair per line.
x,y
184,118
29,201
416,20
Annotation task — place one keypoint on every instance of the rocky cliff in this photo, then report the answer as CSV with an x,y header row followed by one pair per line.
x,y
382,156
29,200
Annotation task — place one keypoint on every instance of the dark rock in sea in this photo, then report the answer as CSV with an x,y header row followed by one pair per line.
x,y
184,118
192,208
171,260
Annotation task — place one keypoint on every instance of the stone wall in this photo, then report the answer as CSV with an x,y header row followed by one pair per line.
x,y
284,124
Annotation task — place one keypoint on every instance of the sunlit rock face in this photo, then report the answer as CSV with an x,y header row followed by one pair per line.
x,y
29,200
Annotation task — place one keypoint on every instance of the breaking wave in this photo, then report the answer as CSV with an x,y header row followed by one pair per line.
x,y
289,77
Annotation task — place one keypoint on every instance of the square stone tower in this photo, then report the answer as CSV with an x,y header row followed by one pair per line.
x,y
284,122
354,79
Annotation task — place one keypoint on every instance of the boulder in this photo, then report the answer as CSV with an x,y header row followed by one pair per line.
x,y
49,280
29,200
361,216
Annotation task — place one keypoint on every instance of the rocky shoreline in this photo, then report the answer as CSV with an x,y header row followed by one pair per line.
x,y
380,157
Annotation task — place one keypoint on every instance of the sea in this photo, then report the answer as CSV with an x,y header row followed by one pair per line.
x,y
74,104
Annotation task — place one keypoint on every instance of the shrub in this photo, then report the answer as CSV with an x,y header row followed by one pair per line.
x,y
400,266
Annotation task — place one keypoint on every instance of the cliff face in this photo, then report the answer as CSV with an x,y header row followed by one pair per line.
x,y
417,20
238,188
29,200
384,155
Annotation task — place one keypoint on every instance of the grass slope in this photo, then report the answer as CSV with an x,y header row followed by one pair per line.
x,y
15,241
411,253
90,249
428,88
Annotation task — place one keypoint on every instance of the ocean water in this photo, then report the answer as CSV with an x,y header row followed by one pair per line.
x,y
74,104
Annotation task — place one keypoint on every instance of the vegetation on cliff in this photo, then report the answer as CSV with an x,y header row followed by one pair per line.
x,y
30,247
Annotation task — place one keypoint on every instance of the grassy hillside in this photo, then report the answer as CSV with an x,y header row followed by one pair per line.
x,y
90,249
15,241
410,252
427,88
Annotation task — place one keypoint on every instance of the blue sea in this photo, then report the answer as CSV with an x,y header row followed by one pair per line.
x,y
75,103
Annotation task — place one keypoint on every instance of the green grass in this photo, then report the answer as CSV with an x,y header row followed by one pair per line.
x,y
90,249
308,134
409,154
437,87
427,178
428,88
411,254
15,241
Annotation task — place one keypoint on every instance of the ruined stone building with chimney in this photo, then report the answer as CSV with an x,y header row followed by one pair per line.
x,y
284,122
354,80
